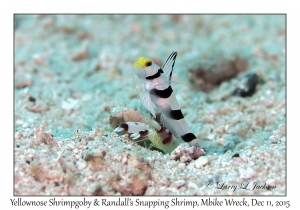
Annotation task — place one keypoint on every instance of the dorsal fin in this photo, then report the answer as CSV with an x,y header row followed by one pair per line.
x,y
169,64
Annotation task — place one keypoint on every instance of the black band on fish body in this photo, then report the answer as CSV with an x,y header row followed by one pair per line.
x,y
188,137
166,93
176,114
156,75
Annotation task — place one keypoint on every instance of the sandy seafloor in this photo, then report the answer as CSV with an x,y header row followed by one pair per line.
x,y
71,71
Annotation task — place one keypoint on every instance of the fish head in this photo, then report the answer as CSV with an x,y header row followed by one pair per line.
x,y
145,67
143,62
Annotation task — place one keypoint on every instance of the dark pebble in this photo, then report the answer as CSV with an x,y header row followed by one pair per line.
x,y
32,99
247,86
236,155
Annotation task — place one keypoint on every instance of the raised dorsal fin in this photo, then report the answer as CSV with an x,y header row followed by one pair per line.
x,y
169,64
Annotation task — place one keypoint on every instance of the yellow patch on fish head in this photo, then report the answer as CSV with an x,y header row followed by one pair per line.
x,y
143,62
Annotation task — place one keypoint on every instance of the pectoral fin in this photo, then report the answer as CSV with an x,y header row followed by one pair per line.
x,y
147,103
167,123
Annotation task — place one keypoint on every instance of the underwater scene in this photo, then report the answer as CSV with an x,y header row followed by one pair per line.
x,y
176,104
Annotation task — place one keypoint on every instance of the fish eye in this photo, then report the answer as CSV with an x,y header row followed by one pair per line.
x,y
148,62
